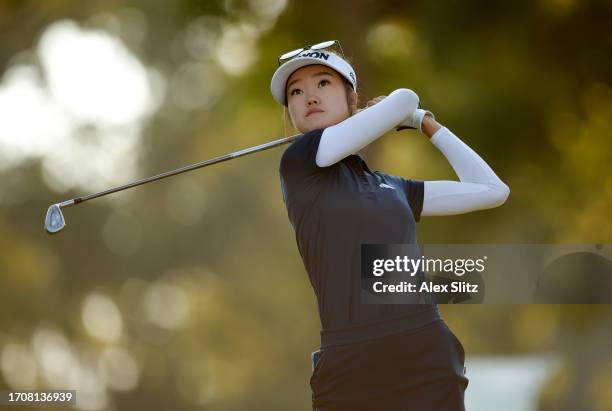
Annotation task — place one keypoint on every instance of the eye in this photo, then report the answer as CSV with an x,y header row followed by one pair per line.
x,y
322,81
293,91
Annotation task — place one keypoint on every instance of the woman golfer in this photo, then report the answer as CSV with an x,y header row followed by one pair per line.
x,y
378,357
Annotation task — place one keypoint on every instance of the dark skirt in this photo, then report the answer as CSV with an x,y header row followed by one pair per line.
x,y
420,369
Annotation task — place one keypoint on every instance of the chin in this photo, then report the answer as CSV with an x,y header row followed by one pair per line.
x,y
321,123
310,126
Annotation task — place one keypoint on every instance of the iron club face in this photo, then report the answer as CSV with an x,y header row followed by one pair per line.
x,y
54,222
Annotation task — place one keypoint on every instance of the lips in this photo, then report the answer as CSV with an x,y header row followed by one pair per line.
x,y
316,110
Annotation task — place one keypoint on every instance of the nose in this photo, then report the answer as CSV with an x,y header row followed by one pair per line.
x,y
313,100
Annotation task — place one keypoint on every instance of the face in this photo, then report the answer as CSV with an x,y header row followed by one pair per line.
x,y
316,98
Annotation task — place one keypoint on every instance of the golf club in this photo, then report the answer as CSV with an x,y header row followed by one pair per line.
x,y
55,222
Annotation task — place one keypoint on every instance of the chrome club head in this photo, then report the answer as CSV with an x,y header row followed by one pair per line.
x,y
54,222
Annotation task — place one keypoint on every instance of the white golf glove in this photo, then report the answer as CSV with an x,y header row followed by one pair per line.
x,y
415,120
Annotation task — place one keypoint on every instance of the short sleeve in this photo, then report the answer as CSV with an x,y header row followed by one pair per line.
x,y
298,167
415,192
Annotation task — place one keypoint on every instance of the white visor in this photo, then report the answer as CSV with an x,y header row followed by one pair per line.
x,y
306,58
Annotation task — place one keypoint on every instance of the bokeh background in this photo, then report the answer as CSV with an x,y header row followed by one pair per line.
x,y
189,293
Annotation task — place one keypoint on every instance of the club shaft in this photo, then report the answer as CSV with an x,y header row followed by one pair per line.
x,y
190,167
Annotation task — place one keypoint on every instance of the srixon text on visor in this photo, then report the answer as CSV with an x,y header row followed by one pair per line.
x,y
315,54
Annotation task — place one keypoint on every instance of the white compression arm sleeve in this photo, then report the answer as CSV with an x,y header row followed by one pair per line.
x,y
359,130
479,188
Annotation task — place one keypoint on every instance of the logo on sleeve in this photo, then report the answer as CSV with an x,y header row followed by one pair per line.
x,y
383,185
